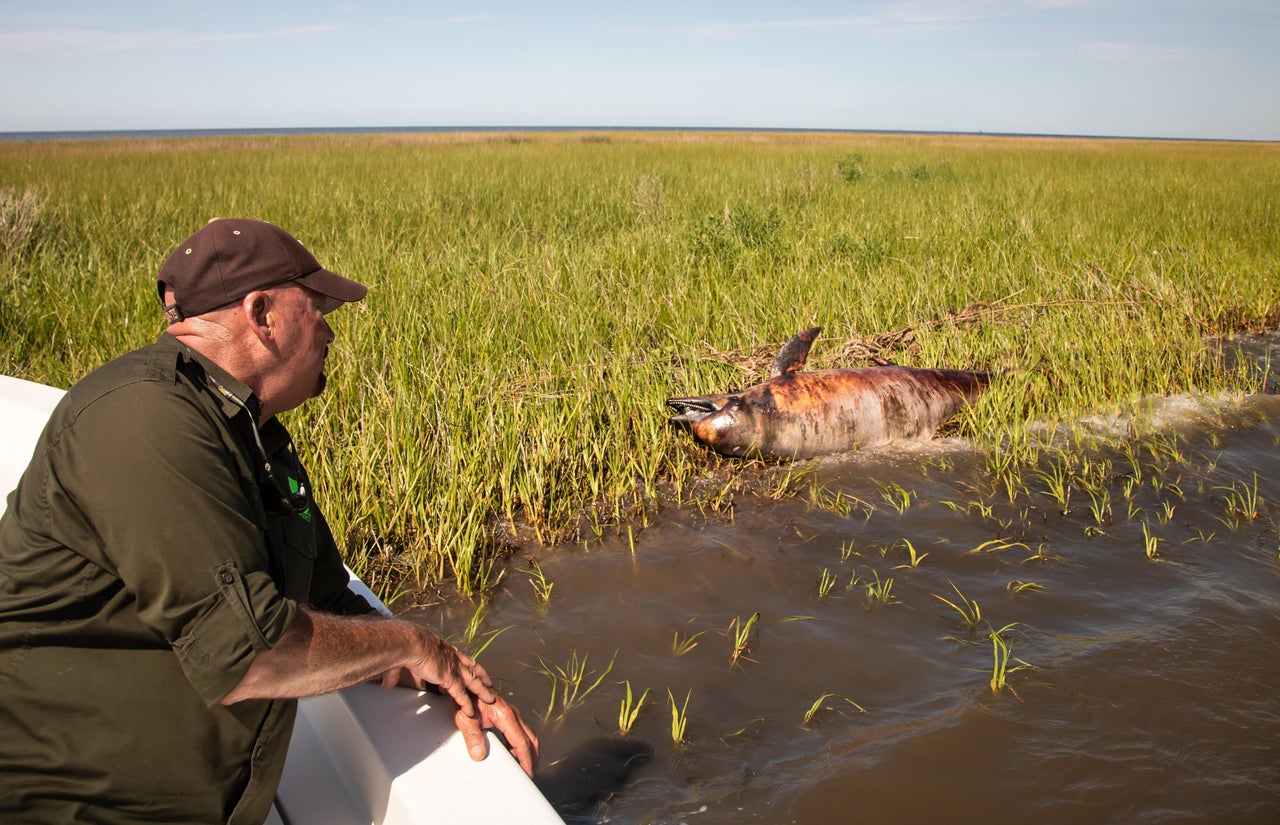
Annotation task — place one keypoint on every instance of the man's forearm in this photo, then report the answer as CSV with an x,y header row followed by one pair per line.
x,y
321,652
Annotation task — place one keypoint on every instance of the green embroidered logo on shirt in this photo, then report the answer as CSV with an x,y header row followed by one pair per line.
x,y
294,487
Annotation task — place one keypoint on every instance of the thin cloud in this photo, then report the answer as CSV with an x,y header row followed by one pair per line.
x,y
907,15
467,19
443,22
1104,50
1138,52
80,40
742,30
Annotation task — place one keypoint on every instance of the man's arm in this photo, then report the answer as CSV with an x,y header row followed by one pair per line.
x,y
319,653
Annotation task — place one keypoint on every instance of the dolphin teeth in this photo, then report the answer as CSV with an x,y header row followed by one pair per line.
x,y
692,405
691,410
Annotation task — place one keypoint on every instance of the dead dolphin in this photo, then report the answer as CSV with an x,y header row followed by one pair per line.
x,y
799,414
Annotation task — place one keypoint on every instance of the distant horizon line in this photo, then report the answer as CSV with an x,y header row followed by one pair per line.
x,y
285,131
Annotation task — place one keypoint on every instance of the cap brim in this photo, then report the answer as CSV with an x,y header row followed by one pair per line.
x,y
335,288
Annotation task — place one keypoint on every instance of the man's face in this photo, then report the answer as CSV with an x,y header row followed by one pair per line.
x,y
302,340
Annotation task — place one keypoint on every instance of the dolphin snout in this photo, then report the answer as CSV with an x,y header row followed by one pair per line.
x,y
689,410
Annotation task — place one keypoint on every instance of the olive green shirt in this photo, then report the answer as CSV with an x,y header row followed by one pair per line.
x,y
142,568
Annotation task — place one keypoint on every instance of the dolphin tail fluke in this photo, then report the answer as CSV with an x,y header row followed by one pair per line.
x,y
794,353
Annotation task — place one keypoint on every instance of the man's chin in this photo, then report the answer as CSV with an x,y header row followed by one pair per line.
x,y
321,382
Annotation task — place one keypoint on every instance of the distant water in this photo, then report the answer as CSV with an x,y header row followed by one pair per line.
x,y
160,134
113,134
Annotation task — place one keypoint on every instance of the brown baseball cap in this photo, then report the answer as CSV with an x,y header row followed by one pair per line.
x,y
230,257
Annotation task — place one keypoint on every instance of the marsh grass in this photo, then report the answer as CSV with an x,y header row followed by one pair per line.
x,y
1002,657
896,496
821,704
1241,501
568,683
629,708
683,644
914,557
879,591
968,608
739,633
1150,543
826,582
679,717
536,297
542,586
475,639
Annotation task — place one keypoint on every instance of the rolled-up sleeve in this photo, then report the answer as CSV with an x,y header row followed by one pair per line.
x,y
167,505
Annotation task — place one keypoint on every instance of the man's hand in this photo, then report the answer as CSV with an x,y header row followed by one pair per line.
x,y
502,716
319,653
456,673
499,715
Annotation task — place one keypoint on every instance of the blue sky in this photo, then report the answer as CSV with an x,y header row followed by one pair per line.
x,y
1177,68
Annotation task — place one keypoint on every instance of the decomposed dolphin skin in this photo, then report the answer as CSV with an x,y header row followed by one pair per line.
x,y
798,414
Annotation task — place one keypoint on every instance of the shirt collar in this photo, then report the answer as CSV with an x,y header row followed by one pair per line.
x,y
218,380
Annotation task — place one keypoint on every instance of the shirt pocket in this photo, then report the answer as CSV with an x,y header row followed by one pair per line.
x,y
291,539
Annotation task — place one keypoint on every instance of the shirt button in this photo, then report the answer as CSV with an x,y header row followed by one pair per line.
x,y
226,577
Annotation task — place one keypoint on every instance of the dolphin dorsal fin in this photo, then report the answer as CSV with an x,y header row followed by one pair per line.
x,y
794,353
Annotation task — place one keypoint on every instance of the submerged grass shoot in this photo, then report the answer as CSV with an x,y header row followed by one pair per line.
x,y
820,704
568,683
914,557
968,608
542,586
629,709
682,644
740,635
679,717
474,638
1150,543
826,581
879,591
1001,656
1241,499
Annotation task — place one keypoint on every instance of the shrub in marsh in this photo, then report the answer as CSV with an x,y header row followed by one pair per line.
x,y
851,167
649,197
724,237
868,250
756,228
21,219
712,239
912,171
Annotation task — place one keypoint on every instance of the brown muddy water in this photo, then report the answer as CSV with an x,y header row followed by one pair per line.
x,y
1137,689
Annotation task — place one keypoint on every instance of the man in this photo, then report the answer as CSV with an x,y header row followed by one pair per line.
x,y
168,586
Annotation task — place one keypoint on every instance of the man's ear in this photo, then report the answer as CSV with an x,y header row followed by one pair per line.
x,y
256,307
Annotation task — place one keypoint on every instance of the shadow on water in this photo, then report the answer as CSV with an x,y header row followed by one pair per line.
x,y
1140,624
578,782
